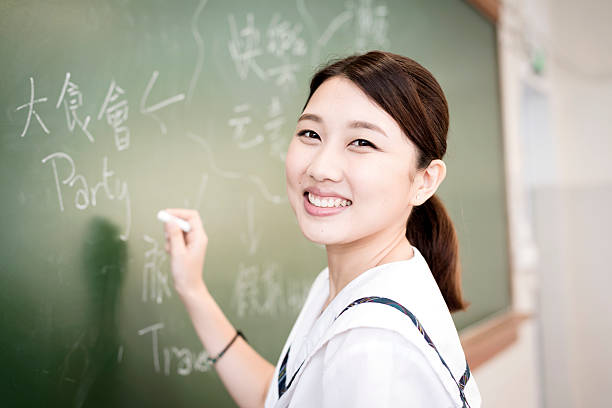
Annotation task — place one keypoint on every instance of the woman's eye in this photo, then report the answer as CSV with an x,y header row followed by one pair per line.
x,y
308,134
363,143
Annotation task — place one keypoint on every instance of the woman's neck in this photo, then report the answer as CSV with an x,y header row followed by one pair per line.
x,y
346,262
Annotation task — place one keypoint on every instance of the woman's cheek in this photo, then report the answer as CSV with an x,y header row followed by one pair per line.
x,y
290,163
378,184
294,171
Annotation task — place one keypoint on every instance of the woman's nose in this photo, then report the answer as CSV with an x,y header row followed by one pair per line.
x,y
326,164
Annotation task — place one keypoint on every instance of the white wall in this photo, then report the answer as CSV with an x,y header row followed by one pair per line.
x,y
582,97
582,109
558,142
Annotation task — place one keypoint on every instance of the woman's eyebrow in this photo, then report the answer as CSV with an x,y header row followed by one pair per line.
x,y
355,124
310,116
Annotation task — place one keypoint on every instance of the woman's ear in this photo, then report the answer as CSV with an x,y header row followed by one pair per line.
x,y
428,181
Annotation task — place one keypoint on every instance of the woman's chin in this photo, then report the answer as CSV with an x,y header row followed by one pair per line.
x,y
321,238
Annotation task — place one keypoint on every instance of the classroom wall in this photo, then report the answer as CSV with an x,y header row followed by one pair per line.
x,y
558,143
516,368
581,108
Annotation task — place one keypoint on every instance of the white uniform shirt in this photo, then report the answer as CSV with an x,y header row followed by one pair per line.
x,y
373,354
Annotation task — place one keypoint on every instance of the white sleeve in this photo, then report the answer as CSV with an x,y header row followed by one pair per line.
x,y
375,367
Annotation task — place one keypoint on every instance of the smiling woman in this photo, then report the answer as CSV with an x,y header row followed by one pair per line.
x,y
362,171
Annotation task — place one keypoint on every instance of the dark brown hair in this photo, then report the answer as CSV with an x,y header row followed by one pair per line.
x,y
412,96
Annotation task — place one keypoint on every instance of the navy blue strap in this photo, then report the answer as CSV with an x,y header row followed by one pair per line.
x,y
282,375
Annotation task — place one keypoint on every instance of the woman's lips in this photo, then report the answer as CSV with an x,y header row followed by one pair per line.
x,y
321,193
321,211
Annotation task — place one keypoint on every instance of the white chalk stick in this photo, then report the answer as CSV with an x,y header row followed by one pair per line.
x,y
165,217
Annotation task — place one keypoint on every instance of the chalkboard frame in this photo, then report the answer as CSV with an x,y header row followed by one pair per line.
x,y
484,340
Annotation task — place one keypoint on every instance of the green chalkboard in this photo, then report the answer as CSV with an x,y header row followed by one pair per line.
x,y
112,110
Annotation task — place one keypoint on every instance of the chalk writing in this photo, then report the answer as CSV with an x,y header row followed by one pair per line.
x,y
116,112
250,237
200,44
245,47
234,175
371,24
148,110
153,330
32,111
79,352
86,196
155,279
283,41
278,144
120,354
72,98
285,73
272,129
334,26
306,18
201,190
187,361
199,195
257,290
239,123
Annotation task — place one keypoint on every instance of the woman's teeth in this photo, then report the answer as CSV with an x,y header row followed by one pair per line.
x,y
327,201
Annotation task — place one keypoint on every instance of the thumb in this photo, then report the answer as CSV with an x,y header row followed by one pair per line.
x,y
175,235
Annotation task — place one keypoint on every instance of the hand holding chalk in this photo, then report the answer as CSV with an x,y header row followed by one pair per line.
x,y
165,217
186,242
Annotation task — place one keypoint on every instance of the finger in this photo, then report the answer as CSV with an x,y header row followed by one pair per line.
x,y
197,234
168,227
166,240
177,241
195,237
184,213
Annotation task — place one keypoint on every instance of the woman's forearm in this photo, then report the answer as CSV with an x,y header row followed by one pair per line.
x,y
244,372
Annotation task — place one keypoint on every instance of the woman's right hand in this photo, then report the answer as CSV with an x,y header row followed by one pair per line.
x,y
187,251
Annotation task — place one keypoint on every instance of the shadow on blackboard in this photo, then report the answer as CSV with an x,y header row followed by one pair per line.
x,y
96,354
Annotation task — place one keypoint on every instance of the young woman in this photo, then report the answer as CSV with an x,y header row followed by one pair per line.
x,y
375,329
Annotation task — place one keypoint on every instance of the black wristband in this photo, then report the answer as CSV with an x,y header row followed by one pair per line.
x,y
238,333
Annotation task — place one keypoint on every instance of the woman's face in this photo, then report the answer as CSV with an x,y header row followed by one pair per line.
x,y
353,161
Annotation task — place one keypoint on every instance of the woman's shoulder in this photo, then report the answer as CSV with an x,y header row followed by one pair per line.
x,y
375,343
390,367
401,367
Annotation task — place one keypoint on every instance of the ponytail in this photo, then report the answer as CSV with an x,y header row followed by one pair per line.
x,y
431,230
